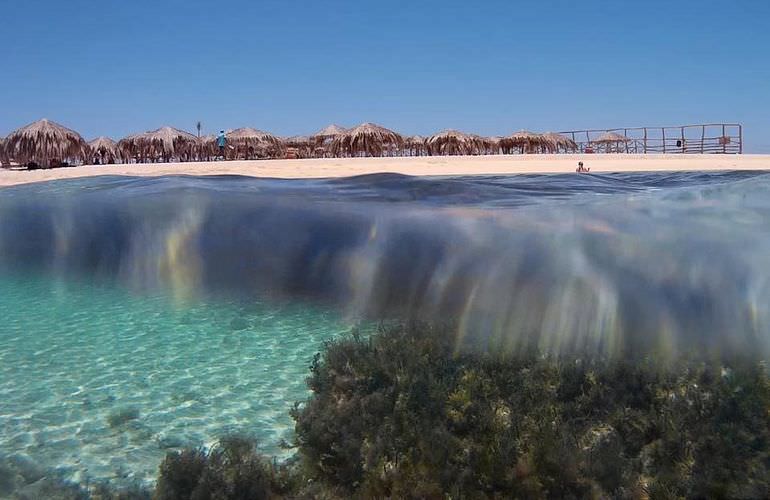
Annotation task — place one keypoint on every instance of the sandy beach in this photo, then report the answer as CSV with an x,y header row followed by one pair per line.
x,y
425,165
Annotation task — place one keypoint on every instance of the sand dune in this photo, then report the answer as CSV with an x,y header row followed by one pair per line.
x,y
435,165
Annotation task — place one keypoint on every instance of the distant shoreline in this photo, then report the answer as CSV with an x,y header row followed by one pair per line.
x,y
417,166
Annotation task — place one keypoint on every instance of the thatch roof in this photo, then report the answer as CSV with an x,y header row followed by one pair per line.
x,y
166,138
163,143
103,143
611,137
524,140
251,136
297,140
249,143
454,142
493,144
205,147
104,149
45,143
523,137
367,139
481,140
416,145
299,146
556,141
330,132
449,134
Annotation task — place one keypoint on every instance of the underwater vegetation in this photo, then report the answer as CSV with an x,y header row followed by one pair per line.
x,y
401,413
232,469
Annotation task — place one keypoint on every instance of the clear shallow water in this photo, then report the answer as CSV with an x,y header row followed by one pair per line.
x,y
189,299
74,354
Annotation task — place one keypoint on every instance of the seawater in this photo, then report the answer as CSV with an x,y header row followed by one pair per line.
x,y
75,356
141,315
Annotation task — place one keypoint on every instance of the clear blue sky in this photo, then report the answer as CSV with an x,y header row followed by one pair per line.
x,y
291,67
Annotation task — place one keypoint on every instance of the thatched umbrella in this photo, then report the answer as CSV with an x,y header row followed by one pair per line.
x,y
557,142
323,139
493,144
250,143
454,142
610,137
164,144
524,140
330,132
103,151
206,148
299,146
483,144
367,139
415,145
612,141
47,144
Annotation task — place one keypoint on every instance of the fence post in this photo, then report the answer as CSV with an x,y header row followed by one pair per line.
x,y
702,138
722,140
740,139
684,148
663,129
645,140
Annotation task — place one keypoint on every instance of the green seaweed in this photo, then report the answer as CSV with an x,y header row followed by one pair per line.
x,y
402,414
230,470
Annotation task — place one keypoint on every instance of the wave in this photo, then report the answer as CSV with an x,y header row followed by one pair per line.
x,y
611,264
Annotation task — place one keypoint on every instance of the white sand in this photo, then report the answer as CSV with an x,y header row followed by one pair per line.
x,y
436,165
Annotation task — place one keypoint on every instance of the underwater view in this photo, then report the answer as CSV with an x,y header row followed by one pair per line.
x,y
386,336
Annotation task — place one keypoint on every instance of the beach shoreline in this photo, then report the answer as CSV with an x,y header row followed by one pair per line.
x,y
414,166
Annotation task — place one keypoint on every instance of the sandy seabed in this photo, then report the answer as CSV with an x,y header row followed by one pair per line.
x,y
425,165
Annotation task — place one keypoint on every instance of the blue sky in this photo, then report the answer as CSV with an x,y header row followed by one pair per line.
x,y
290,67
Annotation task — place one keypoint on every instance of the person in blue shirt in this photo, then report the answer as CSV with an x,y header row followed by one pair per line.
x,y
221,142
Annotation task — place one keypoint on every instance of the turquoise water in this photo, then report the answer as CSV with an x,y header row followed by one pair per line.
x,y
73,353
135,316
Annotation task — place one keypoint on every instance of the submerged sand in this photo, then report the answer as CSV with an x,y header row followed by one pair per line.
x,y
426,165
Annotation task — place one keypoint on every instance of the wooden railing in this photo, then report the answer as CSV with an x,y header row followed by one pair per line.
x,y
724,138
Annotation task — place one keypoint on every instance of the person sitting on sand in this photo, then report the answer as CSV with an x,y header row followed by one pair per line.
x,y
221,141
581,169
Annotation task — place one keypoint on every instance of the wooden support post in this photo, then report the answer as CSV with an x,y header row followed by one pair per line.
x,y
683,144
645,140
722,140
702,138
740,139
664,138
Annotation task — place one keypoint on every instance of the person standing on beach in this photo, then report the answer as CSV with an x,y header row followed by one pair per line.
x,y
221,142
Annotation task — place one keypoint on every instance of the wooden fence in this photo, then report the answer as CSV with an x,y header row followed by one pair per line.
x,y
723,138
